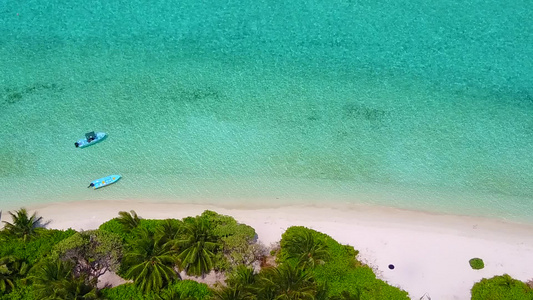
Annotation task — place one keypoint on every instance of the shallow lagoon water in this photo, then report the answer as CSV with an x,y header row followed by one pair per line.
x,y
419,106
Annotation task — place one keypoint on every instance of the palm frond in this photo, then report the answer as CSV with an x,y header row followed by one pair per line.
x,y
129,220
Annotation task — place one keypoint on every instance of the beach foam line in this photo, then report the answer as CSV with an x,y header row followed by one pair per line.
x,y
430,252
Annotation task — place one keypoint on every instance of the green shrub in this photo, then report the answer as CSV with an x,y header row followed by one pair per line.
x,y
236,239
21,292
185,288
235,242
342,272
91,251
149,224
476,263
28,253
501,287
115,227
36,248
193,289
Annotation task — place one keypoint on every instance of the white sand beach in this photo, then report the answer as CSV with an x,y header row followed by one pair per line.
x,y
430,252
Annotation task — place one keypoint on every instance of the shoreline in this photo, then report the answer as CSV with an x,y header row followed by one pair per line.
x,y
430,251
389,214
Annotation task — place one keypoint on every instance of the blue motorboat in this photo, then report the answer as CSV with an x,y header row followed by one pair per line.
x,y
98,183
91,138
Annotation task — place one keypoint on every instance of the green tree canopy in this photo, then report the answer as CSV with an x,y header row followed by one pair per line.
x,y
129,221
54,279
6,278
196,247
23,225
304,247
286,282
237,242
230,293
92,252
501,287
183,289
169,229
11,268
340,270
241,284
150,262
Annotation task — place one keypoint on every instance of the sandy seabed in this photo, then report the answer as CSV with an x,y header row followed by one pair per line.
x,y
430,252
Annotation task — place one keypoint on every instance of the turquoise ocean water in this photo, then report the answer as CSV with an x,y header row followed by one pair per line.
x,y
423,105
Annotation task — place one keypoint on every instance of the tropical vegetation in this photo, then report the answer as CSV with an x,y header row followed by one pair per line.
x,y
476,263
501,287
23,226
155,257
150,262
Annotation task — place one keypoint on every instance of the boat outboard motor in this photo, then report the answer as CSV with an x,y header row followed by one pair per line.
x,y
76,144
91,185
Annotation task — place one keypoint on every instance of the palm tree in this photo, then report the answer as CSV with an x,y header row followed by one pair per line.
x,y
77,288
230,293
6,279
287,282
196,246
150,262
55,280
240,285
23,226
173,294
322,292
129,220
49,276
306,249
11,268
243,276
348,296
170,229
